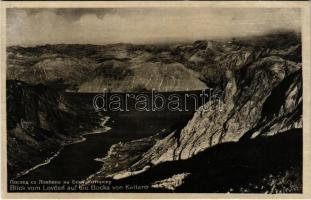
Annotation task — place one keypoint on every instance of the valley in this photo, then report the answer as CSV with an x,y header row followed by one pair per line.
x,y
253,144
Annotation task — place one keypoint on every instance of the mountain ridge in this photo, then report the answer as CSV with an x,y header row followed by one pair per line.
x,y
262,97
204,62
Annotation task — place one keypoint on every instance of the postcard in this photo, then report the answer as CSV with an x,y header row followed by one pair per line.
x,y
163,99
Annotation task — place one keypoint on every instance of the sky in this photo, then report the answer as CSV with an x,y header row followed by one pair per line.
x,y
30,27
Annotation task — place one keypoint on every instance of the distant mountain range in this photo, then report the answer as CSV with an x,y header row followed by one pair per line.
x,y
128,67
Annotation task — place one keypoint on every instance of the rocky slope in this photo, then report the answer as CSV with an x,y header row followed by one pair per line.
x,y
91,68
142,77
262,96
39,121
247,116
261,165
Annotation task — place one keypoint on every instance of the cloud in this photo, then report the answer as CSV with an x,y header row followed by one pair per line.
x,y
67,13
147,25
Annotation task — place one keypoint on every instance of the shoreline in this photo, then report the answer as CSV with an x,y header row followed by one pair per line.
x,y
47,161
119,149
78,139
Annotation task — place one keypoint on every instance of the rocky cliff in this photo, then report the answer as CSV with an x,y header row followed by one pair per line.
x,y
39,121
273,105
262,96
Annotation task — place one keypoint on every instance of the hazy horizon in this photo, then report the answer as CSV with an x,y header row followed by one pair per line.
x,y
102,26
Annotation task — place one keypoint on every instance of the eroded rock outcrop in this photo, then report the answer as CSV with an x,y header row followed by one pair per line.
x,y
262,96
245,111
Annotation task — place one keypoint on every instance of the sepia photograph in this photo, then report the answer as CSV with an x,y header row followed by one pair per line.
x,y
156,99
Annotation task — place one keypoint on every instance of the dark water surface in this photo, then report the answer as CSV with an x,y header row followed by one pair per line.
x,y
76,161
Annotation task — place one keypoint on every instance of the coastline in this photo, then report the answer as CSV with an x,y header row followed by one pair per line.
x,y
125,151
70,141
47,161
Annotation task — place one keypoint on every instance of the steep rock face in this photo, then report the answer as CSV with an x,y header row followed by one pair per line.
x,y
261,97
39,122
261,84
35,104
244,111
282,110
